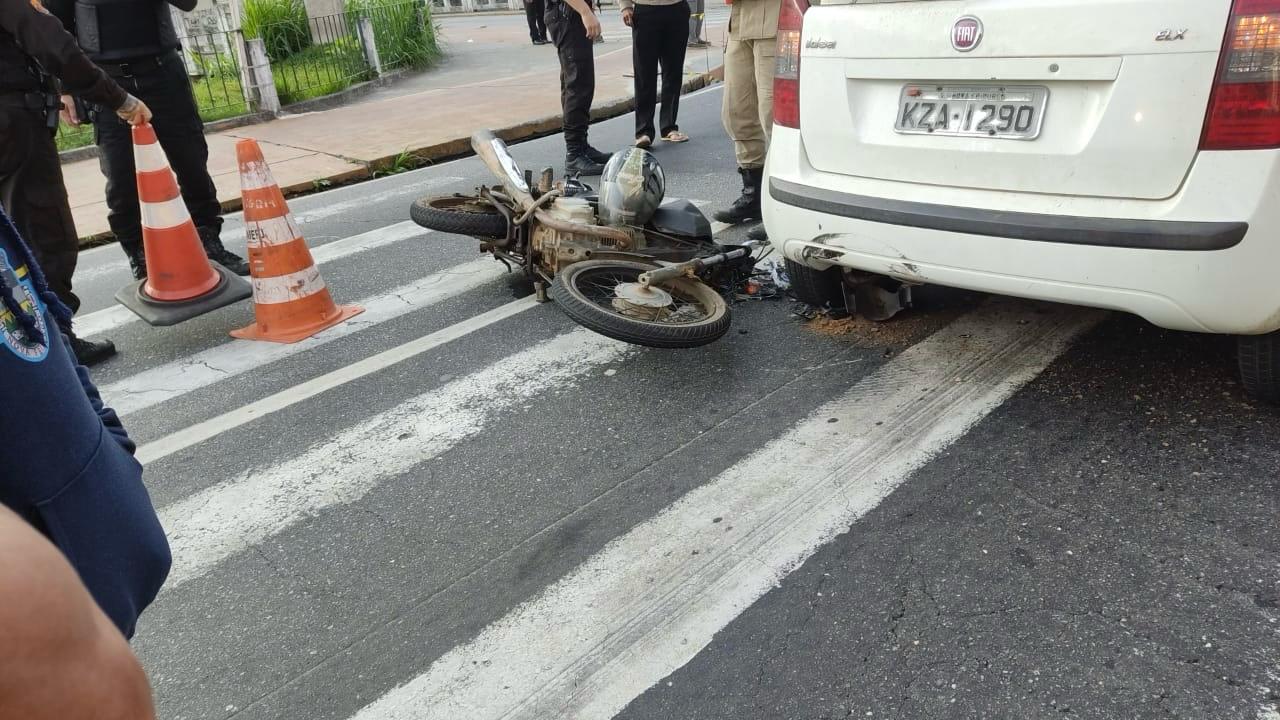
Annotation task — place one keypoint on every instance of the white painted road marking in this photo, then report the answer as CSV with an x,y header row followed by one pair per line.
x,y
234,515
213,427
648,603
175,379
108,319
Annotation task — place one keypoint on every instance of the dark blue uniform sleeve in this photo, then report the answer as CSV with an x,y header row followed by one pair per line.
x,y
109,417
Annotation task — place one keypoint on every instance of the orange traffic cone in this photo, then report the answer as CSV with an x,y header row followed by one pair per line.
x,y
181,282
290,299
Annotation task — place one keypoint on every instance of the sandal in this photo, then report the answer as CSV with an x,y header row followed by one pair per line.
x,y
675,136
644,142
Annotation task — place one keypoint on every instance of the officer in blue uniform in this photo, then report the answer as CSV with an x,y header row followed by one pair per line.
x,y
66,462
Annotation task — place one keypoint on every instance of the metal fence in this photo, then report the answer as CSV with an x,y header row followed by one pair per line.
x,y
216,84
332,61
308,59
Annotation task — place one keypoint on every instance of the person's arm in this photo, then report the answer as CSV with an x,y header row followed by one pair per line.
x,y
109,417
62,657
628,11
42,36
589,19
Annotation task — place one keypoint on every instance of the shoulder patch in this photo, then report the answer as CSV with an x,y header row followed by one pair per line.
x,y
13,336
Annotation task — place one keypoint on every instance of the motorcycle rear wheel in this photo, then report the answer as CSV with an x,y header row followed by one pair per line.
x,y
459,215
588,292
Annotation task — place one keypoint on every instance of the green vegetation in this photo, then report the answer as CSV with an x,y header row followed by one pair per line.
x,y
404,32
282,24
319,70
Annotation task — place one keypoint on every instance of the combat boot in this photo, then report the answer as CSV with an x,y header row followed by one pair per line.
x,y
746,207
580,164
219,254
137,259
596,156
90,353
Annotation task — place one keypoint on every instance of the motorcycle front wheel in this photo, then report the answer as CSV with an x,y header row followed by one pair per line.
x,y
605,296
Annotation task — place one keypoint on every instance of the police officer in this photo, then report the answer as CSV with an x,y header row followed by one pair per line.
x,y
34,52
536,13
66,462
574,29
135,42
748,99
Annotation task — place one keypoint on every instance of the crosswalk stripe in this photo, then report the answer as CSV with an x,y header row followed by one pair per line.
x,y
213,427
108,319
234,515
174,379
656,596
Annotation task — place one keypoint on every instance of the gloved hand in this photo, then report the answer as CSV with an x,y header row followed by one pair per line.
x,y
134,111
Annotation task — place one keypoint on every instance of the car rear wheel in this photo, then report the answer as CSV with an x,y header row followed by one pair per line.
x,y
1260,366
820,288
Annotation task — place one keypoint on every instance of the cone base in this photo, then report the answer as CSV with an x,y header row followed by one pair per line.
x,y
256,332
230,289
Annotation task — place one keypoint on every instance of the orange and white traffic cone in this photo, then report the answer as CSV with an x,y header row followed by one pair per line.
x,y
181,281
290,299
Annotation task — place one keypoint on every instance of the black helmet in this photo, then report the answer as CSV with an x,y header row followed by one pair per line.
x,y
631,188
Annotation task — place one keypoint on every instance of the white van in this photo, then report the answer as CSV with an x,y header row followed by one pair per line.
x,y
1122,154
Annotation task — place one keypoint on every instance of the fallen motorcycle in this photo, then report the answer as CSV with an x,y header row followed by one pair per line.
x,y
648,276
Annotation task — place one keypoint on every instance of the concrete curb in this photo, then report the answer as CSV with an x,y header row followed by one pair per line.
x,y
448,150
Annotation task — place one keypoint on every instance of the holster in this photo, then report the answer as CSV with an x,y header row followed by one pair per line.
x,y
87,111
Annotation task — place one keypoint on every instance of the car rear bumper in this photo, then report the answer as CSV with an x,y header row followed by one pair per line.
x,y
1206,260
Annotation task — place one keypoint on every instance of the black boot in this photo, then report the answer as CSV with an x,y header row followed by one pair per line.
x,y
581,164
219,254
137,260
91,353
596,156
747,207
757,233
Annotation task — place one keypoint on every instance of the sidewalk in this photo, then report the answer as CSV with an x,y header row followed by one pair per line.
x,y
421,114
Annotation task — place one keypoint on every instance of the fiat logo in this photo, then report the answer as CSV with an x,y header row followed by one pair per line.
x,y
966,33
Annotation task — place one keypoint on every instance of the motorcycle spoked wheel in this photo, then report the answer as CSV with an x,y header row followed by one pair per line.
x,y
604,296
460,215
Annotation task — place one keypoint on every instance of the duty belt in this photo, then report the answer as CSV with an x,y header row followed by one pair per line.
x,y
140,66
34,101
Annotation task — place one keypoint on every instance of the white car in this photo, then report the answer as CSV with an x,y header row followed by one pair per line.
x,y
1121,154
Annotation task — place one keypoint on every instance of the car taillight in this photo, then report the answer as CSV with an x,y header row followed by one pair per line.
x,y
786,71
1244,110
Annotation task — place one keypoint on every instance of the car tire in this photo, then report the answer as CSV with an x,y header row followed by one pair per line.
x,y
1259,357
819,288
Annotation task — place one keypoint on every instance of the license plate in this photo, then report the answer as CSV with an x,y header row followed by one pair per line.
x,y
996,111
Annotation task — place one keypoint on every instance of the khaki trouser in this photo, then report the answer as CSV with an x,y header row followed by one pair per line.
x,y
748,98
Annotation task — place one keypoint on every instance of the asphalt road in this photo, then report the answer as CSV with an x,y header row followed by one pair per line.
x,y
460,505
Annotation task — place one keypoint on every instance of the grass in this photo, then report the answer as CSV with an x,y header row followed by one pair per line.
x,y
319,70
283,26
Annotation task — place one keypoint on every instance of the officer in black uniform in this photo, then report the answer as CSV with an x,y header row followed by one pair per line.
x,y
135,42
34,53
574,29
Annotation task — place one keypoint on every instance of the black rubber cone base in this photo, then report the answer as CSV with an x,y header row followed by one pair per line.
x,y
230,289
